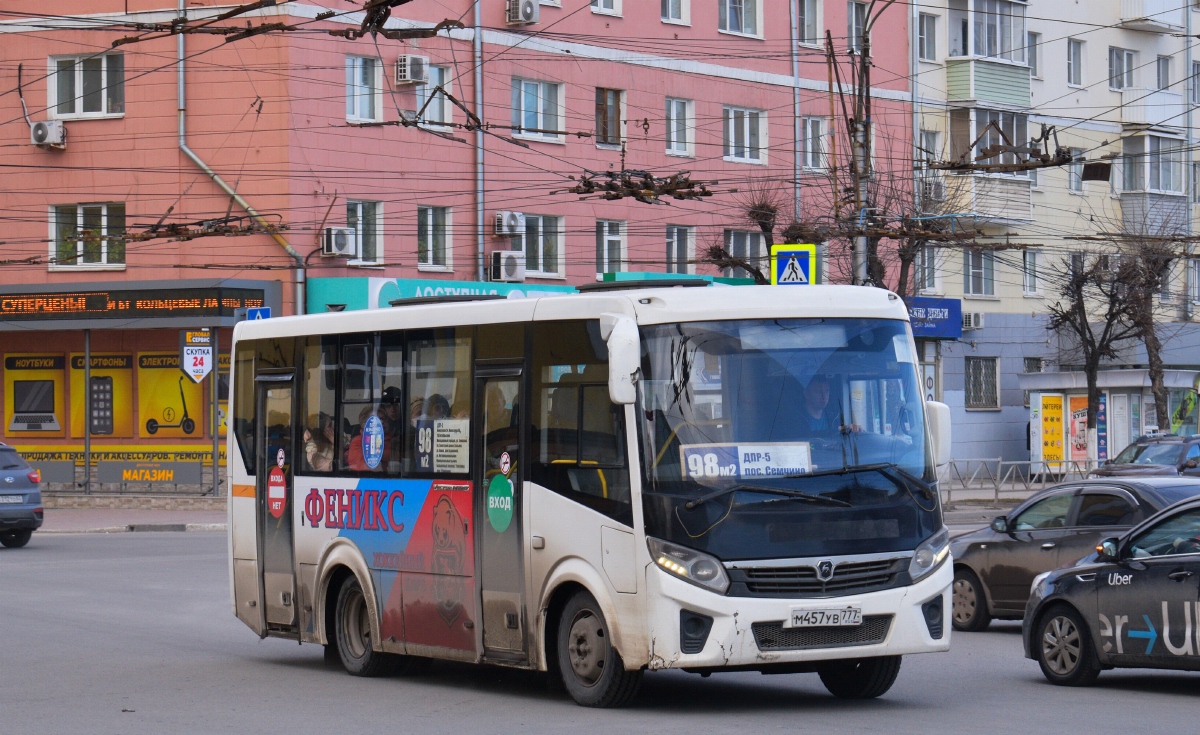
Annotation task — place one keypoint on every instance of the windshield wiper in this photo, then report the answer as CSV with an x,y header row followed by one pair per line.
x,y
761,489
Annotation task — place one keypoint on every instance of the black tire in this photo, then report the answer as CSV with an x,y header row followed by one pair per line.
x,y
188,426
151,426
1064,649
16,539
860,678
591,669
352,623
969,609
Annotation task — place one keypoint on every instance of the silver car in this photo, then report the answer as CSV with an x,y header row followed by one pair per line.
x,y
20,498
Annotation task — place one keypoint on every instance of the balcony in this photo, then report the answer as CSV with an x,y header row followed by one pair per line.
x,y
1155,107
971,80
1155,16
990,198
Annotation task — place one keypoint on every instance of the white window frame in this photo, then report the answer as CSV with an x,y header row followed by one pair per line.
x,y
440,108
752,250
1075,64
990,31
813,157
607,7
976,119
1195,194
1162,72
673,264
428,263
1169,161
1121,63
730,115
687,146
985,268
1193,282
724,17
928,271
356,91
359,232
1033,54
78,264
969,383
77,113
1196,82
809,23
1075,182
685,12
557,231
605,237
927,49
855,24
1031,266
545,109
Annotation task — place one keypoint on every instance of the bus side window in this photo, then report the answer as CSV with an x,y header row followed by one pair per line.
x,y
243,402
318,411
438,373
578,433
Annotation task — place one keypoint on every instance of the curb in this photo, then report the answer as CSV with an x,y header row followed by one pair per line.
x,y
149,528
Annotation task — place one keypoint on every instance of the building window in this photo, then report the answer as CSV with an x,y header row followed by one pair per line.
x,y
1121,63
812,141
679,249
437,110
676,11
607,7
927,37
810,29
967,125
364,91
1196,82
1196,183
927,269
982,387
979,272
1033,50
608,116
87,86
1075,171
89,235
1032,365
610,245
679,127
364,218
535,109
541,245
1166,164
1193,270
1074,62
738,16
747,246
856,21
1000,29
433,227
1163,72
1029,272
743,134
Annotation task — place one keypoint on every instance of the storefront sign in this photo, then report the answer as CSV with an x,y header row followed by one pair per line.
x,y
169,473
1052,431
935,318
35,454
111,408
128,303
1079,439
34,396
353,294
196,353
1102,429
169,405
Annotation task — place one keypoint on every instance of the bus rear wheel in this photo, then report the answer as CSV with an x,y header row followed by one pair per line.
x,y
591,668
860,678
352,621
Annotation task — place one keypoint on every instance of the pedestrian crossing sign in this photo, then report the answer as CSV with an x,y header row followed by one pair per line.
x,y
793,265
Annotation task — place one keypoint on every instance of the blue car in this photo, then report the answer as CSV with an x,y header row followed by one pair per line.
x,y
20,498
1134,603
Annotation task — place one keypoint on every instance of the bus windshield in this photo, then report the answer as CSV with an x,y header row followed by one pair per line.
x,y
785,438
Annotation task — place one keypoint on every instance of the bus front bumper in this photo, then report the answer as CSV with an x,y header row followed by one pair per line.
x,y
748,632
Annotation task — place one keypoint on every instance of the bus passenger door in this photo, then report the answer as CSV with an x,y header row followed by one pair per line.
x,y
273,479
498,472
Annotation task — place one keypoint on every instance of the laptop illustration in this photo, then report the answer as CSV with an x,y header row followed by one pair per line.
x,y
33,406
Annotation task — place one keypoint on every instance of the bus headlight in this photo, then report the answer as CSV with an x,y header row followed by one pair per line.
x,y
689,565
930,554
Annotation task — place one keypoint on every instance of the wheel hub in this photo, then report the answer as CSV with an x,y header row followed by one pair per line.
x,y
586,648
965,601
1060,645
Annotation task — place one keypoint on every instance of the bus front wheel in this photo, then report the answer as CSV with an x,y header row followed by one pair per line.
x,y
591,668
352,621
860,678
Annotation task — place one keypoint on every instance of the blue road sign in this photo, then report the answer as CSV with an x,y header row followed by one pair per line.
x,y
792,265
262,312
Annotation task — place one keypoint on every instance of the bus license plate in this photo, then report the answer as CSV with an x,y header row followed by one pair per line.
x,y
841,617
13,499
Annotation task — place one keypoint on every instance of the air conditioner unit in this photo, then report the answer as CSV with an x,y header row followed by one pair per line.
x,y
972,320
523,12
412,69
509,224
339,242
507,265
933,189
48,134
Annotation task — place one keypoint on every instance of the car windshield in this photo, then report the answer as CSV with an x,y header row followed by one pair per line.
x,y
784,438
1156,453
10,460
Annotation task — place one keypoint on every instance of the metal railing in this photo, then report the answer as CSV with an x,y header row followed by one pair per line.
x,y
998,479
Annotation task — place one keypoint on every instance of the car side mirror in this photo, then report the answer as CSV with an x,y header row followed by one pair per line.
x,y
1106,550
624,356
1000,524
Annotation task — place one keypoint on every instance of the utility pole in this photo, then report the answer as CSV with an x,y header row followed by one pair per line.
x,y
860,130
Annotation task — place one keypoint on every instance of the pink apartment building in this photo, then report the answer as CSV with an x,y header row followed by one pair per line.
x,y
302,127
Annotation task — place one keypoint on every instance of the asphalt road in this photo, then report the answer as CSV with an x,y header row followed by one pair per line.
x,y
133,633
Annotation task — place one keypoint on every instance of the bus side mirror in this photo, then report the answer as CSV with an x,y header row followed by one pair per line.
x,y
624,356
938,416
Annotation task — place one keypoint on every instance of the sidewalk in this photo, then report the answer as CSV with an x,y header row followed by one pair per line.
x,y
116,520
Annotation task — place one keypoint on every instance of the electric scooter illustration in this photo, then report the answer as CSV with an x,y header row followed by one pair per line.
x,y
186,422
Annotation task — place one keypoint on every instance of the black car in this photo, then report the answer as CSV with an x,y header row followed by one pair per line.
x,y
1157,454
20,498
993,567
1132,604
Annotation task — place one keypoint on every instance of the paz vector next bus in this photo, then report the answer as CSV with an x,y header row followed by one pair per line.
x,y
594,485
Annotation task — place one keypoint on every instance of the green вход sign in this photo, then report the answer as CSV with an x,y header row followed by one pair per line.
x,y
500,503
